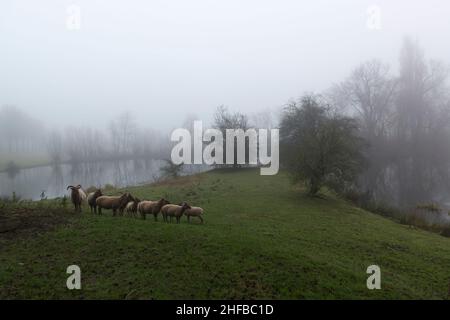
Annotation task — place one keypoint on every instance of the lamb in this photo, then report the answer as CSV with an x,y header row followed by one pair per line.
x,y
77,195
131,207
151,207
173,210
194,212
113,202
91,199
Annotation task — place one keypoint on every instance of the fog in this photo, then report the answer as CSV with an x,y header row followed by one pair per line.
x,y
161,60
83,82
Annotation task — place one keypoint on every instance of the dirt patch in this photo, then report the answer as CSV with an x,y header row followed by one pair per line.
x,y
23,222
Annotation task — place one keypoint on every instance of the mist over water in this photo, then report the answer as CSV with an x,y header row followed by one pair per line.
x,y
53,180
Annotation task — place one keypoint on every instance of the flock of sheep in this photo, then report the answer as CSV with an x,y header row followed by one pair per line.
x,y
129,205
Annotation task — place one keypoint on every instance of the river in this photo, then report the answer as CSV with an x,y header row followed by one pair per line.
x,y
53,180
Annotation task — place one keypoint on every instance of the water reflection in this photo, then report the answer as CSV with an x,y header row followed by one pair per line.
x,y
12,170
29,183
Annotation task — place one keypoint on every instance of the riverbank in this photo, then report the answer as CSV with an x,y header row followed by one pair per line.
x,y
23,160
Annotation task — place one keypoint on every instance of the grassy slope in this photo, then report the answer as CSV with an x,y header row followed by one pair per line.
x,y
261,239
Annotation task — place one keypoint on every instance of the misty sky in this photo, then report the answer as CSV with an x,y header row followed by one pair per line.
x,y
163,59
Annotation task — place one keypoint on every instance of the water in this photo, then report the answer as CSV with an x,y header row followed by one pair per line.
x,y
29,183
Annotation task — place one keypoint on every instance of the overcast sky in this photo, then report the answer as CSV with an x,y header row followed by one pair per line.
x,y
162,59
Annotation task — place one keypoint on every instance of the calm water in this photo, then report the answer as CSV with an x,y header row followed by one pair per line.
x,y
29,183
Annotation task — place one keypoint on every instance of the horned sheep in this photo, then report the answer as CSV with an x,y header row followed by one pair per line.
x,y
77,195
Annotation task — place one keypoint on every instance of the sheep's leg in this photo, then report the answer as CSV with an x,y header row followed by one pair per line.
x,y
189,219
114,212
201,219
99,210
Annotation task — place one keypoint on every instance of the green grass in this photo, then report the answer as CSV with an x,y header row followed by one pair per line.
x,y
262,239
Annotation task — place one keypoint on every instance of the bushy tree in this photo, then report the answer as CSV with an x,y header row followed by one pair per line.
x,y
318,146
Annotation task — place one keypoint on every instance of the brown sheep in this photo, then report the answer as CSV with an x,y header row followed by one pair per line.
x,y
92,197
151,207
113,202
194,212
77,196
173,210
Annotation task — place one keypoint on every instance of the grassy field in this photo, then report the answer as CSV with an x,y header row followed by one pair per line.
x,y
262,239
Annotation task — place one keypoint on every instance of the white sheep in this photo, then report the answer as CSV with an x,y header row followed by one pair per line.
x,y
194,212
173,210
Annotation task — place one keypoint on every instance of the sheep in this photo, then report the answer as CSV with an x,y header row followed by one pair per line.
x,y
82,194
77,195
151,207
91,199
124,204
113,202
173,210
194,212
131,207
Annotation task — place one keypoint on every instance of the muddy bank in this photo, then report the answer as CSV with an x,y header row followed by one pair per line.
x,y
23,222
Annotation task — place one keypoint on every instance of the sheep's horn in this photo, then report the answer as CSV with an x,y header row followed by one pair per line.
x,y
71,187
79,186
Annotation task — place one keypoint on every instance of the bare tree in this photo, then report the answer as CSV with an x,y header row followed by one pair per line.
x,y
223,120
55,147
421,119
368,95
123,131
